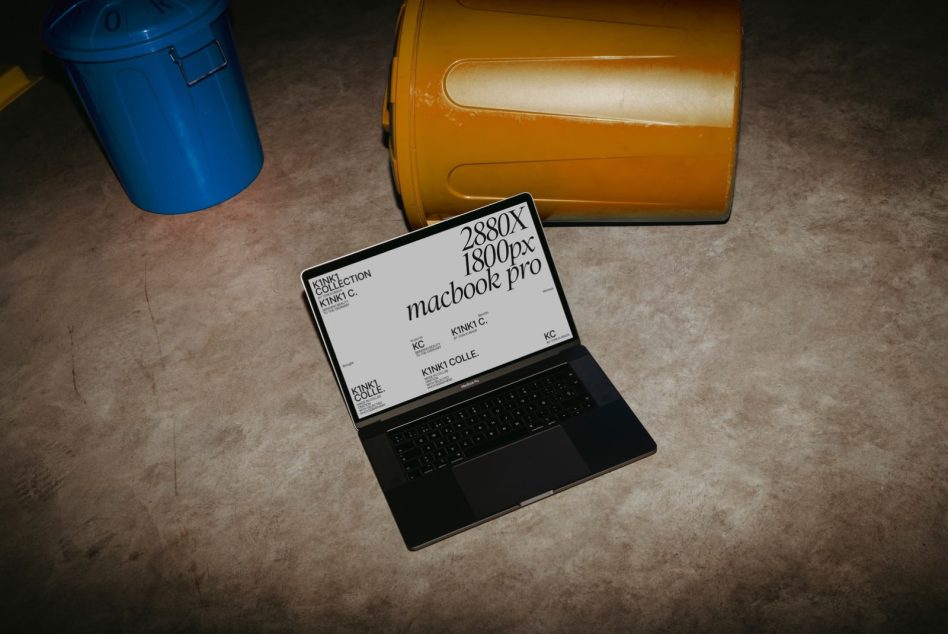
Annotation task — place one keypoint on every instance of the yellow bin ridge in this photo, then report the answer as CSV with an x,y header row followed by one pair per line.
x,y
606,111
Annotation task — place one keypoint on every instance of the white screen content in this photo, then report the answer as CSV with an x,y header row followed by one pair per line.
x,y
441,309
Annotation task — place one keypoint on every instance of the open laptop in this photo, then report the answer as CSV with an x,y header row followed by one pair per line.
x,y
464,375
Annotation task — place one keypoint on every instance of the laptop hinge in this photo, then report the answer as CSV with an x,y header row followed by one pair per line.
x,y
469,383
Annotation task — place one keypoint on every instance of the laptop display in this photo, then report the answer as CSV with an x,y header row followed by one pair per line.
x,y
401,322
464,374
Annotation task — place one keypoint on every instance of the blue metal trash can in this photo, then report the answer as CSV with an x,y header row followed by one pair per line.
x,y
162,86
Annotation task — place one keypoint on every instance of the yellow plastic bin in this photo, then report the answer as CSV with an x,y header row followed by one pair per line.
x,y
606,111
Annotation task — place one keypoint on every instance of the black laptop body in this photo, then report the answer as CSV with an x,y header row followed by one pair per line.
x,y
464,375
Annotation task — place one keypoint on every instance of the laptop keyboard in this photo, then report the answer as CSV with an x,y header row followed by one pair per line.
x,y
475,427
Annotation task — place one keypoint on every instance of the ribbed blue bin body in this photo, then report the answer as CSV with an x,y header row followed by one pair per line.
x,y
162,86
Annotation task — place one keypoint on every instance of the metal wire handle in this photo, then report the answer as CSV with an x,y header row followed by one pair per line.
x,y
179,60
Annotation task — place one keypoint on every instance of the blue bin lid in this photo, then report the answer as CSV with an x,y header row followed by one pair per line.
x,y
109,30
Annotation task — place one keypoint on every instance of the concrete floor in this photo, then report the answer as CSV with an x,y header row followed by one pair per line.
x,y
174,454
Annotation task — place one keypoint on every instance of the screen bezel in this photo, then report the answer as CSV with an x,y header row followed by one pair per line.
x,y
401,241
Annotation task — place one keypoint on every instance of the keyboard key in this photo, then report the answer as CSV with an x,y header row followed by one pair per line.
x,y
498,418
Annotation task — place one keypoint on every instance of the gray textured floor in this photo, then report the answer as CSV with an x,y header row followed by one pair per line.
x,y
174,453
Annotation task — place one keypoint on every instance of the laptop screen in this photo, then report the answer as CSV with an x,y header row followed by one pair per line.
x,y
423,312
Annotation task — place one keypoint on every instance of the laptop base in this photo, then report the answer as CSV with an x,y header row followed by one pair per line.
x,y
462,496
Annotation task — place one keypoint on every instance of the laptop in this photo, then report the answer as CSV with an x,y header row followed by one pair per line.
x,y
463,372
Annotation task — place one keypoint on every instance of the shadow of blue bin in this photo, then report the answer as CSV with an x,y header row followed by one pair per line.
x,y
162,86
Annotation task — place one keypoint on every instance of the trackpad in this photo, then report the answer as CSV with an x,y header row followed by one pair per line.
x,y
504,478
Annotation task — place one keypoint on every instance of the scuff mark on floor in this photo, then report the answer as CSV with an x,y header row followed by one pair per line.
x,y
174,457
38,480
151,314
72,356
